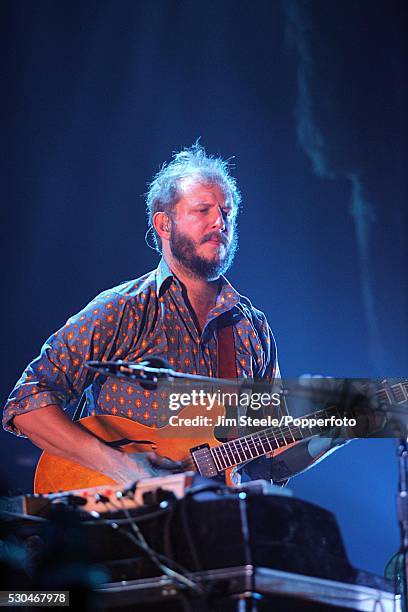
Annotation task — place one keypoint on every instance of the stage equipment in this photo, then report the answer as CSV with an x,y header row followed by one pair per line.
x,y
213,548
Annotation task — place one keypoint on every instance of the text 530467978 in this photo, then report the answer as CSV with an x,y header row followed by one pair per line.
x,y
34,598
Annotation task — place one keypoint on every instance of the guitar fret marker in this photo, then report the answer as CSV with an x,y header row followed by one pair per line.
x,y
262,446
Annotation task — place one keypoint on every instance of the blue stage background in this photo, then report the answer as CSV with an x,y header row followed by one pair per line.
x,y
310,98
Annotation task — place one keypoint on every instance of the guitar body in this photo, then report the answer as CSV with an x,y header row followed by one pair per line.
x,y
57,474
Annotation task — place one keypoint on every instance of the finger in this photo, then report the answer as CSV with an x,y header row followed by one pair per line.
x,y
188,464
163,463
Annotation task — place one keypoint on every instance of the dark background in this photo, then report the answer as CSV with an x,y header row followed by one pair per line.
x,y
310,98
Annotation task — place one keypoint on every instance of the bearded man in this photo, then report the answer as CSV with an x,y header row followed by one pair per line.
x,y
175,312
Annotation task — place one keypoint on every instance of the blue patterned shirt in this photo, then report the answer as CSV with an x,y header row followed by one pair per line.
x,y
142,317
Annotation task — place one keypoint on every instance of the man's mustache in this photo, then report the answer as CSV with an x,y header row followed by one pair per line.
x,y
216,236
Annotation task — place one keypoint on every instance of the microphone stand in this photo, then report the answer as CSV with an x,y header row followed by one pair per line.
x,y
401,566
149,372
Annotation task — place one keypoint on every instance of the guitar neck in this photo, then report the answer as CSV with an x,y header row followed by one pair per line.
x,y
238,451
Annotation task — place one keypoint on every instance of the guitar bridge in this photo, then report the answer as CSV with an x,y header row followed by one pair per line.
x,y
204,461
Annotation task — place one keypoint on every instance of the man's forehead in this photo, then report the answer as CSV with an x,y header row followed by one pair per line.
x,y
195,186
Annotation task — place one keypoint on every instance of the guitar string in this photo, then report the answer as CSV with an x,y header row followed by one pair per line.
x,y
397,389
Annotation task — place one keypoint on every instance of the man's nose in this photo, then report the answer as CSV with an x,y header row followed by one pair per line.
x,y
219,220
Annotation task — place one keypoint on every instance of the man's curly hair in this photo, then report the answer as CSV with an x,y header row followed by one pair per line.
x,y
163,192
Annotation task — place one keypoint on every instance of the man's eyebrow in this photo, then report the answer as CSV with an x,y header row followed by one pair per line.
x,y
205,203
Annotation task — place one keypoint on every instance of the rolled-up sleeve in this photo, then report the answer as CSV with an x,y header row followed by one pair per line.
x,y
58,375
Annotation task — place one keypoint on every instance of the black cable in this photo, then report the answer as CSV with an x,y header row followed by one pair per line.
x,y
26,517
172,574
140,541
127,521
170,562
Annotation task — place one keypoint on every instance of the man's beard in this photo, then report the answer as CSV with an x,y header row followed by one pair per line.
x,y
185,250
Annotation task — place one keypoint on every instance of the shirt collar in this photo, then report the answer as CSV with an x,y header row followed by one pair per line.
x,y
163,272
227,298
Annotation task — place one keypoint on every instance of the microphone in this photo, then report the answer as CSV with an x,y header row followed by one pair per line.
x,y
139,371
150,380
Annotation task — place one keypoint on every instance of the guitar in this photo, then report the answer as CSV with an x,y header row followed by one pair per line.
x,y
199,444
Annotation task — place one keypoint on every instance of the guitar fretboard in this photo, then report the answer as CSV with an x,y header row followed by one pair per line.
x,y
252,446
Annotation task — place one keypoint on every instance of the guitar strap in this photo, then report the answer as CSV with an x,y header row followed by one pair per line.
x,y
226,359
227,368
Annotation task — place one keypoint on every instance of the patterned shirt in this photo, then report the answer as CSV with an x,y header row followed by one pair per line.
x,y
142,317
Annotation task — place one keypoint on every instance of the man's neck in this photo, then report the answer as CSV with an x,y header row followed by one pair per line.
x,y
201,293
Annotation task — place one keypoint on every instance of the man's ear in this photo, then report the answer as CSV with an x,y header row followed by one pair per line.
x,y
162,224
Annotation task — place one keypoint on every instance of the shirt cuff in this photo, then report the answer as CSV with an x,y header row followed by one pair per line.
x,y
21,406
